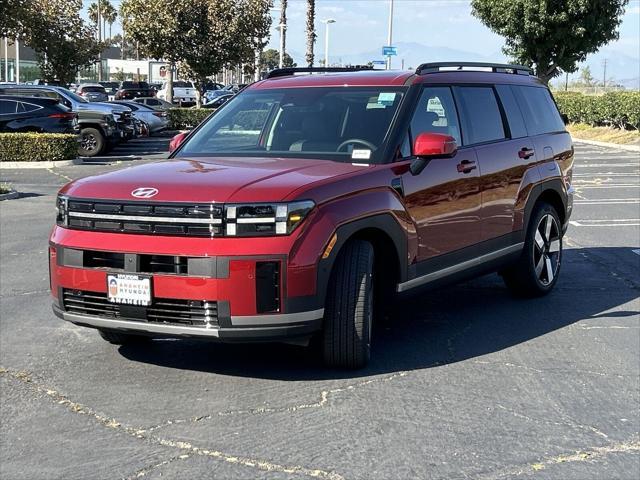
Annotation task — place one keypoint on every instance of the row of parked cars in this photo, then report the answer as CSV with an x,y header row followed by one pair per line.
x,y
100,125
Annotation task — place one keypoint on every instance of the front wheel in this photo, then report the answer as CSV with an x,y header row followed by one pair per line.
x,y
536,272
92,142
349,307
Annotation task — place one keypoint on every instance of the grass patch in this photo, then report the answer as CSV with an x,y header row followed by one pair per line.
x,y
604,134
5,188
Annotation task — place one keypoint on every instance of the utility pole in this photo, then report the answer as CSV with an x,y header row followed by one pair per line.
x,y
17,60
604,74
6,59
390,36
283,29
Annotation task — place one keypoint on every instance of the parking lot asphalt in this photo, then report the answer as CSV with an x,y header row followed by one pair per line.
x,y
464,382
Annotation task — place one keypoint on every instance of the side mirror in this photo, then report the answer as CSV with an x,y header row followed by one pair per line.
x,y
428,146
176,141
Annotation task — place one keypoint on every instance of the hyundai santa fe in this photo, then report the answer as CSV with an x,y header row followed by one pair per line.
x,y
301,208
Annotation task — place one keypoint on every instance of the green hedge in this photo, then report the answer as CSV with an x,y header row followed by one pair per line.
x,y
37,147
617,109
186,118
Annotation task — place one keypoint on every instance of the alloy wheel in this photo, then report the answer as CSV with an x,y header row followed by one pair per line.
x,y
89,142
547,249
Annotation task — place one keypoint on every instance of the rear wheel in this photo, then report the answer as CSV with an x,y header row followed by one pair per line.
x,y
92,142
536,272
118,338
349,307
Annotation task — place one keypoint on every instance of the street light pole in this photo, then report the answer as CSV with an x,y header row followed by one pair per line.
x,y
17,61
390,36
6,59
326,39
282,27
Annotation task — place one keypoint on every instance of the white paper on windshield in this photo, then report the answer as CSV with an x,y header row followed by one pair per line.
x,y
361,154
386,98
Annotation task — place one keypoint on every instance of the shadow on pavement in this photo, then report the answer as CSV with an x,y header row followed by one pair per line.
x,y
439,327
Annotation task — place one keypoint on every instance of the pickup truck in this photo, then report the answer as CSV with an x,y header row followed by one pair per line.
x,y
184,93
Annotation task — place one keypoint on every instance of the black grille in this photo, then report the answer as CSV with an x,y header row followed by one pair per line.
x,y
149,218
194,313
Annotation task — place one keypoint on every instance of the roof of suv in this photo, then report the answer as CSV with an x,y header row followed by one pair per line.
x,y
375,78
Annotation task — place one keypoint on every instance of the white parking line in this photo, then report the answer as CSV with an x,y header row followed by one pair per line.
x,y
607,201
608,186
601,165
601,223
606,174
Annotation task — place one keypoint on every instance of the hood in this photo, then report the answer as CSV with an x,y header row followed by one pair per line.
x,y
220,180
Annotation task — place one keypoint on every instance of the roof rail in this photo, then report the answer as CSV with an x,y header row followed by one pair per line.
x,y
495,67
284,72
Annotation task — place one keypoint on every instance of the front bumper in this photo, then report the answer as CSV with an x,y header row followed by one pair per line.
x,y
246,329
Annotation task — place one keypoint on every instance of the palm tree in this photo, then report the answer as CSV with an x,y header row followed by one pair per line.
x,y
311,31
108,14
283,21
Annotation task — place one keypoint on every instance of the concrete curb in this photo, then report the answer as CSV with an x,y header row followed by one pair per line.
x,y
27,165
9,196
628,148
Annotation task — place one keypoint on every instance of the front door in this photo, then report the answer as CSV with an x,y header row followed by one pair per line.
x,y
444,199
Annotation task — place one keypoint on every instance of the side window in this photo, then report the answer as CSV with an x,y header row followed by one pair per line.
x,y
30,107
7,107
511,108
539,111
436,113
481,118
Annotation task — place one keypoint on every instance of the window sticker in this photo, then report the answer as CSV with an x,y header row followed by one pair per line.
x,y
362,154
386,98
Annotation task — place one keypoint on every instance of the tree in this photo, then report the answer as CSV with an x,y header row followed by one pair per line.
x,y
108,14
311,30
552,35
14,15
271,59
62,41
200,36
586,78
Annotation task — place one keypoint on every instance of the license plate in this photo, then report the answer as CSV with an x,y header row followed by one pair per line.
x,y
129,289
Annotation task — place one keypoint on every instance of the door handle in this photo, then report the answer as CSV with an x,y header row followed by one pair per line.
x,y
465,166
525,153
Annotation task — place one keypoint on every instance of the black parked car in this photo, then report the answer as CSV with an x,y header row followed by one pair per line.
x,y
36,114
129,90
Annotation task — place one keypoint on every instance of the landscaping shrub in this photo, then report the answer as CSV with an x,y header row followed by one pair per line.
x,y
37,147
616,109
186,118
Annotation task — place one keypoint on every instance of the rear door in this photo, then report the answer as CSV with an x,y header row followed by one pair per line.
x,y
8,109
444,199
504,151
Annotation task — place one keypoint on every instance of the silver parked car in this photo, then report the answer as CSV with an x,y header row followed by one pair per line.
x,y
155,103
156,120
93,92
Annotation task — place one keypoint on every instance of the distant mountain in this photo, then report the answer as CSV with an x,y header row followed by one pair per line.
x,y
621,68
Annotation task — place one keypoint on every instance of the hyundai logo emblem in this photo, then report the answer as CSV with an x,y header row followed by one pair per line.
x,y
144,192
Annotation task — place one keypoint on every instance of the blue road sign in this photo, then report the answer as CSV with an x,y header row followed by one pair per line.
x,y
379,62
387,51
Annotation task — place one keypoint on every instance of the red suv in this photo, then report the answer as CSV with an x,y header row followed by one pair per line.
x,y
304,205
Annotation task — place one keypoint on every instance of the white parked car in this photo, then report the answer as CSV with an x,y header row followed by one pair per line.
x,y
183,92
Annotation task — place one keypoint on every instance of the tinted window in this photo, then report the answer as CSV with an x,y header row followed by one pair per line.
x,y
152,101
94,89
141,85
511,108
30,107
481,118
436,113
539,111
7,107
179,84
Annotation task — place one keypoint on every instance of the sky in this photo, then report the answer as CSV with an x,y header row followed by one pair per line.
x,y
361,26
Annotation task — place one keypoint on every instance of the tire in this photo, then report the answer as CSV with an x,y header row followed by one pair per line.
x,y
92,142
536,271
349,308
117,338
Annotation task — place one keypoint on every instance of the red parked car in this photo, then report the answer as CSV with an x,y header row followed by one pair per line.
x,y
305,204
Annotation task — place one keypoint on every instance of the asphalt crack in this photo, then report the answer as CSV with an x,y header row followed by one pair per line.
x,y
584,455
323,400
145,470
187,448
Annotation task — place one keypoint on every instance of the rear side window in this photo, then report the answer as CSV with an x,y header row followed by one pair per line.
x,y
481,118
30,107
539,111
436,113
7,107
511,108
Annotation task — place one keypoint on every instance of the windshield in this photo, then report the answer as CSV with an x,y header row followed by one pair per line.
x,y
335,123
93,89
141,85
180,84
75,97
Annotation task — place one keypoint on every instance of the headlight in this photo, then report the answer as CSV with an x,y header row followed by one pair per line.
x,y
62,209
265,219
